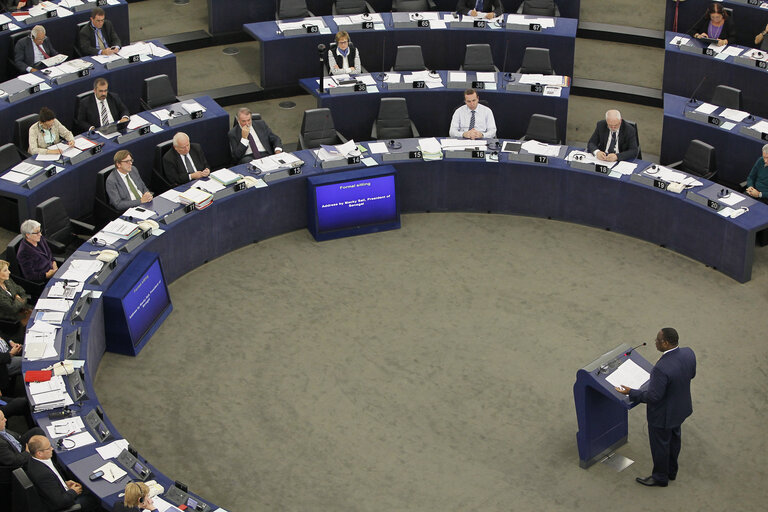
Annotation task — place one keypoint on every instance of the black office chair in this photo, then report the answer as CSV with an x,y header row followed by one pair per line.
x,y
159,182
543,129
64,235
540,7
103,212
728,97
413,5
25,497
393,121
287,9
317,128
409,58
9,156
76,47
536,61
21,132
699,160
157,91
33,288
478,57
637,137
15,38
351,7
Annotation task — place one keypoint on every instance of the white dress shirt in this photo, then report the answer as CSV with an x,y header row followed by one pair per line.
x,y
259,145
106,106
484,121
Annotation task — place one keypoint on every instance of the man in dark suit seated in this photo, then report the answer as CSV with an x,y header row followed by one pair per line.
x,y
100,108
13,454
250,140
185,162
125,189
613,139
484,8
55,492
99,37
30,51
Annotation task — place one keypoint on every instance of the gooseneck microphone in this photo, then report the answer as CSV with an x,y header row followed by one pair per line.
x,y
321,52
693,99
633,348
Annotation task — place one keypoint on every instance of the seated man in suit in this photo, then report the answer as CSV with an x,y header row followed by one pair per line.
x,y
101,108
484,8
125,189
30,51
185,162
13,455
55,492
757,181
250,140
99,37
613,139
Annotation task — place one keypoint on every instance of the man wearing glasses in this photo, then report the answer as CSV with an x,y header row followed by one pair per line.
x,y
125,189
99,37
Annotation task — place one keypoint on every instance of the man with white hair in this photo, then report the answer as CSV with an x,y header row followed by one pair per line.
x,y
30,51
757,181
185,162
613,139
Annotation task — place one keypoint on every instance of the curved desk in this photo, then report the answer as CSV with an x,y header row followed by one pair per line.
x,y
76,184
286,59
749,19
63,31
431,109
127,81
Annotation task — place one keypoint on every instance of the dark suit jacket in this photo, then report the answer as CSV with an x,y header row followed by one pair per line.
x,y
52,493
87,38
263,132
728,32
173,168
465,6
24,53
88,114
10,459
668,392
627,145
34,262
118,193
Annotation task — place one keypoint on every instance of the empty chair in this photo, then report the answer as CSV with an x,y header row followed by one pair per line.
x,y
728,97
478,58
543,129
158,91
159,182
21,131
287,9
9,156
699,160
351,7
540,7
25,496
536,61
393,121
317,128
103,212
413,5
33,288
637,138
409,58
59,230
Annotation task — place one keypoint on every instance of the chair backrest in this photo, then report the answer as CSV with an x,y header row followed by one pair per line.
x,y
78,28
317,128
158,91
54,220
409,58
21,131
410,5
349,7
10,255
543,129
103,212
287,9
25,497
101,183
536,60
393,121
79,99
478,57
541,7
637,137
9,156
728,97
159,182
699,159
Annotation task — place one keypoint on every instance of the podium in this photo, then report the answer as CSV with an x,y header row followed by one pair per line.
x,y
601,411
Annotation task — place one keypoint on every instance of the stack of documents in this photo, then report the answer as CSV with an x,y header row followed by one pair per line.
x,y
535,78
81,270
431,149
210,185
21,172
225,176
65,427
539,148
339,152
277,162
113,449
54,61
64,289
39,341
192,106
521,19
200,198
49,395
660,172
122,229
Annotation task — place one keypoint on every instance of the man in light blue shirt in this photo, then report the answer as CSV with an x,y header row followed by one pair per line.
x,y
473,120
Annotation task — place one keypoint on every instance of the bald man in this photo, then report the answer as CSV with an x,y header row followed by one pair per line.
x,y
185,162
613,139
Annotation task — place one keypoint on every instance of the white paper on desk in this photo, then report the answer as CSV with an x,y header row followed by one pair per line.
x,y
706,108
367,79
760,126
377,148
726,211
392,78
55,60
64,289
734,115
552,90
437,25
483,76
721,56
70,3
4,19
70,152
434,85
430,145
717,49
679,40
52,317
457,76
218,510
728,125
628,374
137,212
369,161
463,143
136,121
170,195
31,79
732,199
29,168
14,177
113,449
342,20
211,186
39,326
103,59
539,148
625,168
44,157
61,428
360,18
63,13
371,89
756,54
108,135
113,473
192,106
53,304
158,51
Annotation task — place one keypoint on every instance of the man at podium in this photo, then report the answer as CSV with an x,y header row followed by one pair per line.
x,y
668,399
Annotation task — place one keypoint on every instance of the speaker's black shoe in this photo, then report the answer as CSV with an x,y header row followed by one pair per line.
x,y
650,482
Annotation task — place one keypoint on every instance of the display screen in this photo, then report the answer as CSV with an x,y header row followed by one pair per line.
x,y
361,202
145,301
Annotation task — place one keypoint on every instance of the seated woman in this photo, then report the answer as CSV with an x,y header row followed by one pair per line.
x,y
136,498
345,59
715,24
35,257
14,309
46,132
